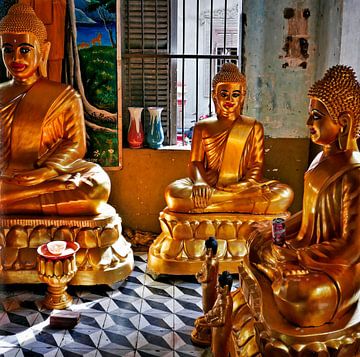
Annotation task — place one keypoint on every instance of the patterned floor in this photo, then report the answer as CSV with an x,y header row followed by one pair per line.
x,y
137,317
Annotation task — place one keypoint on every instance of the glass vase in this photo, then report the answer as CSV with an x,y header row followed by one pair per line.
x,y
155,134
135,135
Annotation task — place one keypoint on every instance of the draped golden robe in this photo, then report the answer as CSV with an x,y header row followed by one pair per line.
x,y
48,133
230,157
327,244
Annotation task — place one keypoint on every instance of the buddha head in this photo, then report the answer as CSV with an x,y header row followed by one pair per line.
x,y
23,43
225,283
211,246
228,90
335,108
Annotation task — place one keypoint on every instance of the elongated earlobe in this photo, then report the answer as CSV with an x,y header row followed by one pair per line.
x,y
44,59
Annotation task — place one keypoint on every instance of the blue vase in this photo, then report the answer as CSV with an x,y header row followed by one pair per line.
x,y
155,133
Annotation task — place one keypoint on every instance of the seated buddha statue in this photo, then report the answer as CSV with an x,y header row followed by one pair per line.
x,y
42,130
43,176
315,274
226,160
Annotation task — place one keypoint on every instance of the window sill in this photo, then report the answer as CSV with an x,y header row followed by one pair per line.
x,y
165,148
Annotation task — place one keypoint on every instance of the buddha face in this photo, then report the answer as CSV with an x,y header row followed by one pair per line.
x,y
323,129
229,98
21,54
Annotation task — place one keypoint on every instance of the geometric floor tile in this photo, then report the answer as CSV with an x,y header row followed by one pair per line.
x,y
137,317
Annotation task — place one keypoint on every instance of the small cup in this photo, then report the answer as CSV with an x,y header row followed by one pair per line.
x,y
56,247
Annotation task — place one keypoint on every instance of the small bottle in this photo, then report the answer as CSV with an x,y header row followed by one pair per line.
x,y
278,231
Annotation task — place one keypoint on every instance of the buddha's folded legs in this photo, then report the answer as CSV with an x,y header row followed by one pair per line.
x,y
77,194
267,199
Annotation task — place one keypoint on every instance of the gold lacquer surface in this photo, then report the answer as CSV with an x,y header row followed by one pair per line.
x,y
42,133
226,163
207,276
312,281
219,319
56,273
225,191
47,191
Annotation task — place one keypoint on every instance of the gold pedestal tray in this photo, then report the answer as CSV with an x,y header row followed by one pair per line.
x,y
180,248
104,256
56,271
259,328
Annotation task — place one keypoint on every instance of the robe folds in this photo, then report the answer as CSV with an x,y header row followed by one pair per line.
x,y
44,127
230,157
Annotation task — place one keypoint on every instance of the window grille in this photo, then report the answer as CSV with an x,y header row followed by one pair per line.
x,y
171,51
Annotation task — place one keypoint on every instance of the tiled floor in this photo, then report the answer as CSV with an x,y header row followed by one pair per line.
x,y
137,317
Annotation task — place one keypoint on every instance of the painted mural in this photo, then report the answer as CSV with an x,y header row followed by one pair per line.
x,y
96,43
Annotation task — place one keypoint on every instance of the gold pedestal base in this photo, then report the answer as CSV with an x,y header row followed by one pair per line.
x,y
259,328
180,248
57,298
104,256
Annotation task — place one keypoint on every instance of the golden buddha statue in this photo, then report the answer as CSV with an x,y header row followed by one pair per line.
x,y
226,161
313,279
225,189
42,130
43,176
219,317
208,277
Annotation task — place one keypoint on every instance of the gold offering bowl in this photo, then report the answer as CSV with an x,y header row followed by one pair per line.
x,y
56,271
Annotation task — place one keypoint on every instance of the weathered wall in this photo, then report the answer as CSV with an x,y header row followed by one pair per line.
x,y
276,87
350,39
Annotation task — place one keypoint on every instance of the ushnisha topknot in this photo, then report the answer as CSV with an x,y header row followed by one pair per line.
x,y
229,72
339,91
21,18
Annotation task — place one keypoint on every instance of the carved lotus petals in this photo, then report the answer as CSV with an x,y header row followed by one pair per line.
x,y
195,248
58,268
41,265
222,248
165,226
182,231
237,248
205,230
27,258
95,257
121,248
170,248
63,233
17,237
87,238
49,268
81,256
276,348
108,237
39,236
226,231
9,256
245,230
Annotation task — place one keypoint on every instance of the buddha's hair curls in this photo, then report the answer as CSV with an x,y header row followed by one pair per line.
x,y
339,91
229,72
21,18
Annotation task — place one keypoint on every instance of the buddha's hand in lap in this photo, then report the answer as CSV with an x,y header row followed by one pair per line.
x,y
38,176
201,194
284,253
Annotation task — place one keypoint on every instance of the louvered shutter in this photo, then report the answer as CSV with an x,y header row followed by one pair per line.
x,y
148,72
